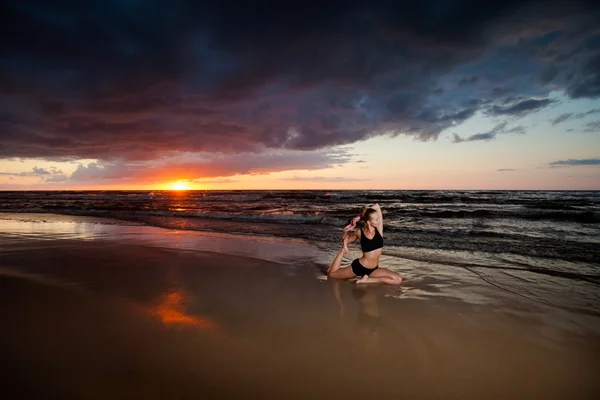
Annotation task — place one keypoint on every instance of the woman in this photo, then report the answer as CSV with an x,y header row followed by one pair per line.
x,y
366,268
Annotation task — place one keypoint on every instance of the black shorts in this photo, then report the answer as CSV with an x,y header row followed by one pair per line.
x,y
359,270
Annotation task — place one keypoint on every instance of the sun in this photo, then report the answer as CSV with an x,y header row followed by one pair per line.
x,y
179,186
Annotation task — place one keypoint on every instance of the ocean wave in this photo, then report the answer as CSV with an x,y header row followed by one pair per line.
x,y
520,222
588,217
74,195
590,278
562,205
255,209
530,200
575,216
273,216
527,246
318,228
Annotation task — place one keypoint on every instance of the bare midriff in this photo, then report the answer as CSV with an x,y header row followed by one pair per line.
x,y
370,259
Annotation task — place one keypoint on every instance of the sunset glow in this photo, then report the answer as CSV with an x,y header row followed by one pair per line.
x,y
179,186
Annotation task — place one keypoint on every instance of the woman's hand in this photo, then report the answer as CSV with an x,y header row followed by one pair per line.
x,y
351,224
348,238
345,245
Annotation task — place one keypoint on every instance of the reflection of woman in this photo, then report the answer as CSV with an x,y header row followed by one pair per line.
x,y
368,319
371,242
368,315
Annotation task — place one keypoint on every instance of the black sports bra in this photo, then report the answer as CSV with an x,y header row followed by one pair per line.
x,y
371,244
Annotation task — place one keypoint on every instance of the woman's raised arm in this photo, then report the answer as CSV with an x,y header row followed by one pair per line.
x,y
377,208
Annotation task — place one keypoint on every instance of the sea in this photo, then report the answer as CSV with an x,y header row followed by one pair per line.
x,y
543,245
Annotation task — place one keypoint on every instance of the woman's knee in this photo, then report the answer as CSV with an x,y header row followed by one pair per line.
x,y
397,279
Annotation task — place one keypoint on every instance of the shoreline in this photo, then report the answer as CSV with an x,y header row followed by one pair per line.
x,y
425,278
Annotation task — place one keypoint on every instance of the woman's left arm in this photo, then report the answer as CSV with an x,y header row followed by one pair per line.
x,y
377,208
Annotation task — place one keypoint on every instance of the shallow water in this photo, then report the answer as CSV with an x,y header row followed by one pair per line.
x,y
429,273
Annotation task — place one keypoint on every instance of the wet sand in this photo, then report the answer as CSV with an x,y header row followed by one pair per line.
x,y
97,320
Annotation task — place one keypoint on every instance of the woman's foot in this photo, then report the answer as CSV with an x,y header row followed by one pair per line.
x,y
351,224
363,279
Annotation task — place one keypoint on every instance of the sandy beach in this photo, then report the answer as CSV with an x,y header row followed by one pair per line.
x,y
98,316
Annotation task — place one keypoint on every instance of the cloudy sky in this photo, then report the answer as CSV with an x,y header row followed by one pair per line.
x,y
430,94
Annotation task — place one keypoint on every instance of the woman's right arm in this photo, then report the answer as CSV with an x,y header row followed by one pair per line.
x,y
349,238
352,236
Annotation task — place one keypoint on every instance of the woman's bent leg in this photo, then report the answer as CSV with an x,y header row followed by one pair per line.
x,y
382,275
335,269
336,263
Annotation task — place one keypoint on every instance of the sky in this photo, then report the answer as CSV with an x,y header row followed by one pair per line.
x,y
429,94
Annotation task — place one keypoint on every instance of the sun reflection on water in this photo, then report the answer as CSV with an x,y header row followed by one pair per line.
x,y
171,311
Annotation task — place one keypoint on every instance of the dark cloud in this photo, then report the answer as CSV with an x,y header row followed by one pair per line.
x,y
505,170
138,80
561,118
570,162
548,74
590,112
587,84
36,171
592,126
473,138
51,174
517,129
468,81
520,108
566,116
40,171
487,136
